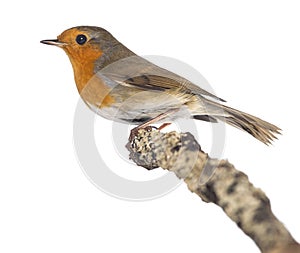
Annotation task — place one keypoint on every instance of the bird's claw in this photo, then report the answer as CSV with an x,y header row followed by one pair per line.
x,y
134,131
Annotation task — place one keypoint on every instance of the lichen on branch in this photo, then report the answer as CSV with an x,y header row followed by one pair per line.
x,y
214,181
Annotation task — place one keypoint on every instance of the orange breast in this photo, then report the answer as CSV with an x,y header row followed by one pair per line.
x,y
91,88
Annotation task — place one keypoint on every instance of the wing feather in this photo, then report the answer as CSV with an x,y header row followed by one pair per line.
x,y
138,72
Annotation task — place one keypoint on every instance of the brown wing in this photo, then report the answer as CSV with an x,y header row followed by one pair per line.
x,y
138,72
155,82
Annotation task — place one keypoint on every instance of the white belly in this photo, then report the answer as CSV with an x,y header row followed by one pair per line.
x,y
141,107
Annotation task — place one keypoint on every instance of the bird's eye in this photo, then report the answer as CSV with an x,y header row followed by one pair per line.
x,y
81,39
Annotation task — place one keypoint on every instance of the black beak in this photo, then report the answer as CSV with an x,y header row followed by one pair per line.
x,y
53,43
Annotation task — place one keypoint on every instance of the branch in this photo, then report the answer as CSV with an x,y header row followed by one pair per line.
x,y
214,181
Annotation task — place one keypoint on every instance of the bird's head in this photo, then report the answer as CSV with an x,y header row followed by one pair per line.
x,y
89,48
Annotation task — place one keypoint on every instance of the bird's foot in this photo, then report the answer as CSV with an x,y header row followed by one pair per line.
x,y
134,131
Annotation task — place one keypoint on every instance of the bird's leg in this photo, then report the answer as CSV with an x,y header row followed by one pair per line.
x,y
146,125
163,126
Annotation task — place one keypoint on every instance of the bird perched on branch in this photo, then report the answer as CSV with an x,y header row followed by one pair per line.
x,y
122,86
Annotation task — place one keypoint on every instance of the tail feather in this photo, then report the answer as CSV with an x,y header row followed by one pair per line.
x,y
258,128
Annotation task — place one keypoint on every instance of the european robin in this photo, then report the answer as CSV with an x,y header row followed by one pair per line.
x,y
122,86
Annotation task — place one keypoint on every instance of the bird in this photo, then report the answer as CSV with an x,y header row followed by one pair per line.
x,y
122,86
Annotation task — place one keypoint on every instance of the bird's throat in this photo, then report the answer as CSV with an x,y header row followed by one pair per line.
x,y
83,73
91,88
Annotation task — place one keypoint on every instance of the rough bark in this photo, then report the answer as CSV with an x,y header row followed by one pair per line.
x,y
214,181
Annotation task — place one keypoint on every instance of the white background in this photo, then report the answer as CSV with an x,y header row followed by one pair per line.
x,y
248,51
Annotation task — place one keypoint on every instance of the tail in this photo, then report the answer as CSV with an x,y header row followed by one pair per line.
x,y
258,128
